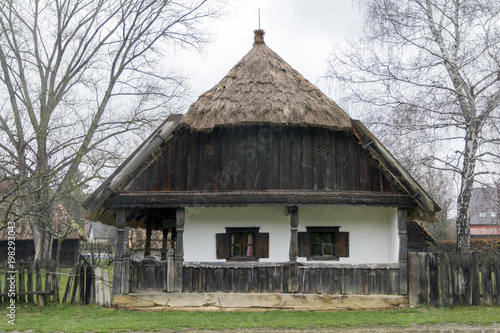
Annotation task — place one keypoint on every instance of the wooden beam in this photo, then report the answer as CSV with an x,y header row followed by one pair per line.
x,y
179,247
121,220
294,224
403,251
149,231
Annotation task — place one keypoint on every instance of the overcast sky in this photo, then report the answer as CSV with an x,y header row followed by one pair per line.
x,y
302,32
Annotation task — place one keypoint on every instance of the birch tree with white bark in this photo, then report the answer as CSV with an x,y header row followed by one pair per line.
x,y
437,62
80,78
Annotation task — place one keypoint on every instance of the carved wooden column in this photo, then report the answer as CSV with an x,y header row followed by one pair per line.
x,y
149,231
294,225
118,262
164,244
293,211
179,247
403,251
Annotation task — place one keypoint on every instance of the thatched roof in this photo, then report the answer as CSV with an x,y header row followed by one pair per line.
x,y
61,221
262,89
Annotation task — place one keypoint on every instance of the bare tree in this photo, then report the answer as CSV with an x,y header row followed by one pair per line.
x,y
437,62
79,78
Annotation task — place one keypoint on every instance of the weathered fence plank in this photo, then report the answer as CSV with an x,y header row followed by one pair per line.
x,y
456,280
20,282
475,279
29,279
487,280
466,262
496,268
98,286
423,274
433,280
444,268
106,284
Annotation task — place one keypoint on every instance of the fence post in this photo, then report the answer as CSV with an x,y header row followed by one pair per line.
x,y
88,283
423,277
444,264
98,286
475,285
76,282
67,291
486,278
20,282
496,266
40,298
55,282
29,268
412,279
170,271
433,280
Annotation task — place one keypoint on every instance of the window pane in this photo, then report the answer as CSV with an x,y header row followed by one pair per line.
x,y
248,250
315,250
315,238
249,239
235,238
328,249
235,251
327,238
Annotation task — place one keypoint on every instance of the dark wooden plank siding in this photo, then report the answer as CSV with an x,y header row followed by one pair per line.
x,y
263,158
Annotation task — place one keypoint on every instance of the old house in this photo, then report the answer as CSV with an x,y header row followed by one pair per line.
x,y
267,187
485,212
25,246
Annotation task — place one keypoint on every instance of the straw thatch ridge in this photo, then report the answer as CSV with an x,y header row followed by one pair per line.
x,y
262,89
61,221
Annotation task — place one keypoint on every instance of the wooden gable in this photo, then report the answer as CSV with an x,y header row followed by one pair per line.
x,y
261,158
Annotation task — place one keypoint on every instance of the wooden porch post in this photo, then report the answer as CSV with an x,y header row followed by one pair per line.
x,y
293,211
403,251
164,244
179,247
118,262
294,225
149,231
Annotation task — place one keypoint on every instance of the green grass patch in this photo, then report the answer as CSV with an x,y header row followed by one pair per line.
x,y
75,318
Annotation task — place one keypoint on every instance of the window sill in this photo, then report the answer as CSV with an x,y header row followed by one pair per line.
x,y
325,258
241,259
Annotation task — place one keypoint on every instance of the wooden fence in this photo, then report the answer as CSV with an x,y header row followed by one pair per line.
x,y
288,278
453,279
28,282
148,274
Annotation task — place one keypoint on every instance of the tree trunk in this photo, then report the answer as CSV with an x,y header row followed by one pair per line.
x,y
463,203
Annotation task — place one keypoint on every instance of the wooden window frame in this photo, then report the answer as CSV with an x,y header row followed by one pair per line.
x,y
260,244
340,243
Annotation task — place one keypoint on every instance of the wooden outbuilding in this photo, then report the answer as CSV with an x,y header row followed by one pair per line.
x,y
267,187
25,246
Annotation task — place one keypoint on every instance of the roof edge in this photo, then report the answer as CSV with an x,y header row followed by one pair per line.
x,y
109,186
428,207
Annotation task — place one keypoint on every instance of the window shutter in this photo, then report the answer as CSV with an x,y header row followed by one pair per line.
x,y
341,244
304,244
223,245
261,245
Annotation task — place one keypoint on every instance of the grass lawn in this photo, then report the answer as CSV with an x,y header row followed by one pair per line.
x,y
74,318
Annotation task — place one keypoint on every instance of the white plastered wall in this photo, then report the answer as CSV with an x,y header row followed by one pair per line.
x,y
373,234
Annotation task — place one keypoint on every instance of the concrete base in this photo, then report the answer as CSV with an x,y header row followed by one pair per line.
x,y
155,301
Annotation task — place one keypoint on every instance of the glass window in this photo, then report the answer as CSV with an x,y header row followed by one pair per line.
x,y
321,244
242,245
